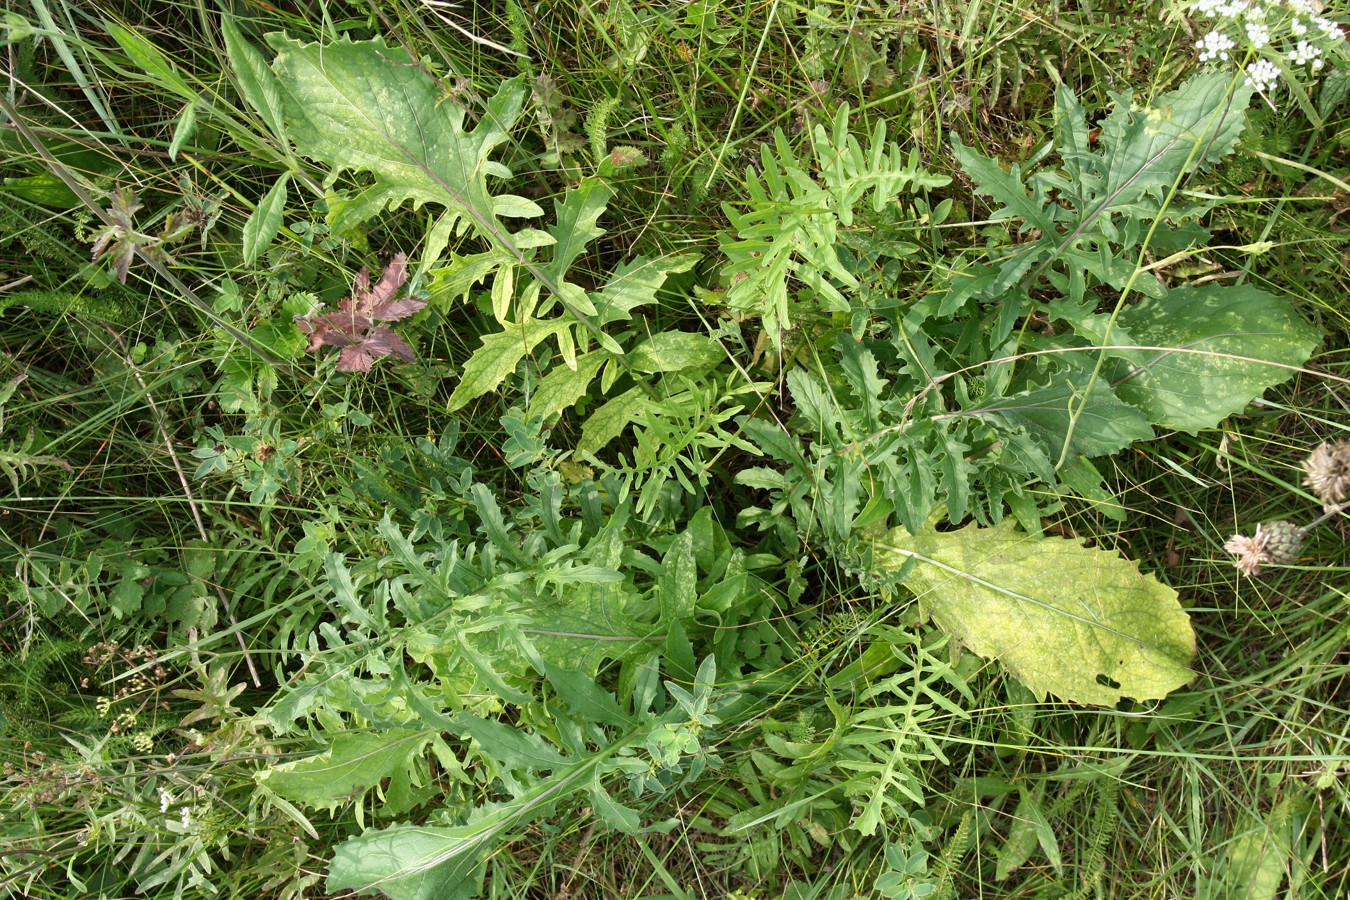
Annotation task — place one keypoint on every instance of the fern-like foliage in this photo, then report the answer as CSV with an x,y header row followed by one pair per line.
x,y
790,229
958,395
887,744
103,310
489,641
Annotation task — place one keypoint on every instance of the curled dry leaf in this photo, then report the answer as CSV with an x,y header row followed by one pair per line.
x,y
356,326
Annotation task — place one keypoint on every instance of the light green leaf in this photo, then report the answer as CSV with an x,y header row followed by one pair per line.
x,y
256,83
677,586
150,60
589,628
265,221
636,283
611,811
575,226
354,763
466,270
184,130
674,351
609,421
1082,624
406,862
498,357
562,387
365,106
1257,859
1231,343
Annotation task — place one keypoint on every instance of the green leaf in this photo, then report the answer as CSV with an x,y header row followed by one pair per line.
x,y
184,130
150,60
674,351
265,221
561,388
1082,624
365,106
256,83
575,226
1035,210
585,699
1197,123
677,585
354,763
609,421
1022,837
407,862
1257,859
1231,343
635,284
498,357
510,747
1105,423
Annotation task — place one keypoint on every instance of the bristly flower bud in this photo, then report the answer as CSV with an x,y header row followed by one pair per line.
x,y
1328,468
1275,542
1283,540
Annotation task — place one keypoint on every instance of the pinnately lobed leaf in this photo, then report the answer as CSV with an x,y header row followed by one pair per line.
x,y
1080,623
366,106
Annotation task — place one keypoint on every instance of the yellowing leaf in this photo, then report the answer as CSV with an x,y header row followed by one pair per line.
x,y
497,358
1082,624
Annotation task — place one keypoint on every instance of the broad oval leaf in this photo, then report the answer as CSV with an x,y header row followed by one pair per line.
x,y
1232,342
366,106
1082,624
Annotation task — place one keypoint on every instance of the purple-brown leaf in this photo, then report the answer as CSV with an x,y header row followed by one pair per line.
x,y
384,342
352,325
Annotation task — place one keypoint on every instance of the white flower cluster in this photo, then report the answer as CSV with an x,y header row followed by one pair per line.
x,y
1266,31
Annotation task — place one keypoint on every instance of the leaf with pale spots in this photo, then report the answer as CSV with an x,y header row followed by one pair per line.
x,y
1097,631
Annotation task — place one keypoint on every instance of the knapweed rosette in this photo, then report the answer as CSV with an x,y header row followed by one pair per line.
x,y
1268,38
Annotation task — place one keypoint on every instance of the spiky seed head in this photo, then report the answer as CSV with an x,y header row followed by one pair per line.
x,y
1328,472
1283,540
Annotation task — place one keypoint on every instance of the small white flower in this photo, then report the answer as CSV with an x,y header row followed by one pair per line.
x,y
1304,52
1329,28
165,798
186,817
1258,34
1262,75
1215,45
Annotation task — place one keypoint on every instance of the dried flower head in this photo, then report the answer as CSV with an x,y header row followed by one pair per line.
x,y
1251,552
1328,468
